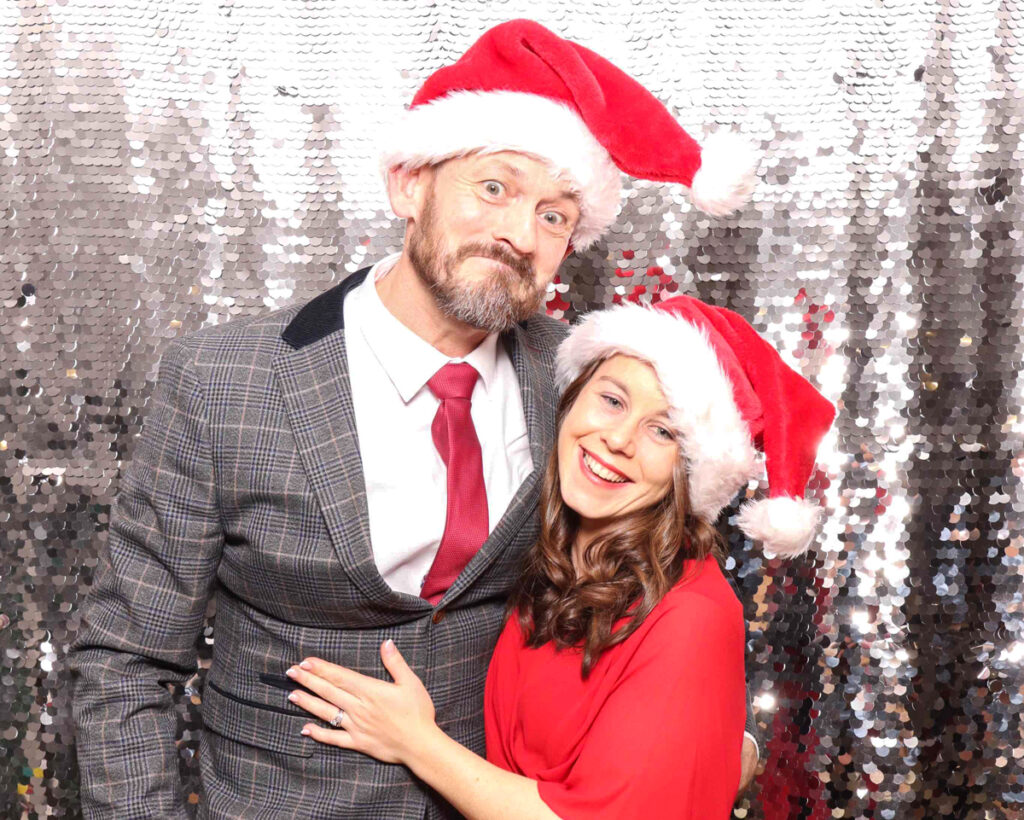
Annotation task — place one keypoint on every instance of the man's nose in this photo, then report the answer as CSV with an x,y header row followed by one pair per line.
x,y
518,227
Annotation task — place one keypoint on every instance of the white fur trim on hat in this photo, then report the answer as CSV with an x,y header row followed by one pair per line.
x,y
714,438
465,122
785,526
727,174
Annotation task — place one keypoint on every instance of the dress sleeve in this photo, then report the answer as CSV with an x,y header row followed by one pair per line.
x,y
667,742
501,679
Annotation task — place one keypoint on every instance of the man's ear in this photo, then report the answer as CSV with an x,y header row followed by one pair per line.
x,y
406,189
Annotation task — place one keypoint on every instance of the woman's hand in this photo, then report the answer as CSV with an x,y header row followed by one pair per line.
x,y
388,721
394,722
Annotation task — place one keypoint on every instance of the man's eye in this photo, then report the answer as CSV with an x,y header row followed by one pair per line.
x,y
493,187
554,219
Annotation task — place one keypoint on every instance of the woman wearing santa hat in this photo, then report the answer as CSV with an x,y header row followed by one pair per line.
x,y
617,686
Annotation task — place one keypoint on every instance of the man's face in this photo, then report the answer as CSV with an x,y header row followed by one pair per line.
x,y
490,235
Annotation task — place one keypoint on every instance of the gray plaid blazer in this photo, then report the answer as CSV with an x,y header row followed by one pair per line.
x,y
246,484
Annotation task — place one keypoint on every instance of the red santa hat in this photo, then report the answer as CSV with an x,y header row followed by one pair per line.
x,y
730,395
522,88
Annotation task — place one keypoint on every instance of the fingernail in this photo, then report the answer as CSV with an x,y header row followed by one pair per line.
x,y
305,732
290,672
389,645
306,665
292,697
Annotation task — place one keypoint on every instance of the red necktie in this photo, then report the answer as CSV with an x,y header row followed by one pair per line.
x,y
465,526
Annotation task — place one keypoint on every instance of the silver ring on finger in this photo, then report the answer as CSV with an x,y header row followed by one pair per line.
x,y
337,719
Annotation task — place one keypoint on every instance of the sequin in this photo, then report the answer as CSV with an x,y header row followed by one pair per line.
x,y
167,167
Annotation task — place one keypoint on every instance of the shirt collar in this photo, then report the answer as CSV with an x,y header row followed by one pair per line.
x,y
408,360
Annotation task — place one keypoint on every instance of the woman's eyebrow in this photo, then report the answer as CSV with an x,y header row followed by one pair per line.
x,y
617,383
665,414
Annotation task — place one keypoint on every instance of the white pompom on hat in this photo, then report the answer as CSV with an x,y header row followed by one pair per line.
x,y
730,395
522,88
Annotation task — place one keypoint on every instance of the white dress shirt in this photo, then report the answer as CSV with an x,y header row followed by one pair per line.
x,y
406,488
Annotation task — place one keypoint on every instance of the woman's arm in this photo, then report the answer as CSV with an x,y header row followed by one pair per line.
x,y
394,722
478,789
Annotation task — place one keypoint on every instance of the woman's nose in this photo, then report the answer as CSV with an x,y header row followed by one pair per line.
x,y
620,439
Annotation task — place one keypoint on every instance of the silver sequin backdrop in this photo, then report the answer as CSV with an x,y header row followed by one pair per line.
x,y
165,166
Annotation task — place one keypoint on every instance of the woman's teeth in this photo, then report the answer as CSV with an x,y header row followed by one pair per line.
x,y
601,471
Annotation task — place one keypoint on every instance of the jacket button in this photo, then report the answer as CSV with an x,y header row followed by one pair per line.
x,y
438,616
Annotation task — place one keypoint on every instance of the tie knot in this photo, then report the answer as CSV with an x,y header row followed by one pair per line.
x,y
453,381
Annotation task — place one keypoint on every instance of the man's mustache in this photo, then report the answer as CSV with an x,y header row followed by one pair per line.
x,y
499,253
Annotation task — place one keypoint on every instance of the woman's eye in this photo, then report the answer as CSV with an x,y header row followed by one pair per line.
x,y
663,433
612,400
493,187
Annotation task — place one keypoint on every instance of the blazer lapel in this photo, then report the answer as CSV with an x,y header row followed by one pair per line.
x,y
536,383
313,377
540,400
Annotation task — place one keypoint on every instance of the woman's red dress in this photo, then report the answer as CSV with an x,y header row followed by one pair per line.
x,y
656,730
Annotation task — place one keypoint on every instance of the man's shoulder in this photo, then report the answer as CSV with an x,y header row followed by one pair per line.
x,y
545,331
248,339
244,336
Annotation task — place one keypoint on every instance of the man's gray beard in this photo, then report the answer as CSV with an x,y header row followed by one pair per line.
x,y
490,305
487,305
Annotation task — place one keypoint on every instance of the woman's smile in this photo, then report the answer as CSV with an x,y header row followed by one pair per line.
x,y
602,474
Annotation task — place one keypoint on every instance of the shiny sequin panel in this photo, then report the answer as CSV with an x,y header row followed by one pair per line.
x,y
170,166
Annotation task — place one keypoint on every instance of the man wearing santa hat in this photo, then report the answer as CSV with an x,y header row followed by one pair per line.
x,y
365,466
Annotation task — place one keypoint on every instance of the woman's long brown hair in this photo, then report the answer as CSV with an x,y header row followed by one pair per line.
x,y
633,565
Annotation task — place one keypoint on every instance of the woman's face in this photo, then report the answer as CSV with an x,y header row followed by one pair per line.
x,y
616,446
